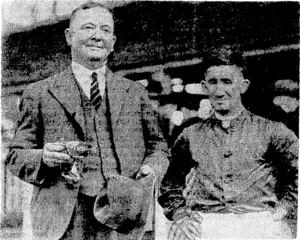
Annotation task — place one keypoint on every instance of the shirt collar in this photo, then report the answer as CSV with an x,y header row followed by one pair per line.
x,y
83,77
231,117
81,71
226,121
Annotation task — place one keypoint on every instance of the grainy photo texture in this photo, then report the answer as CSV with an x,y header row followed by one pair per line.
x,y
149,120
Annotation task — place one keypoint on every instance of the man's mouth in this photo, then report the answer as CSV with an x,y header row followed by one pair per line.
x,y
95,47
221,101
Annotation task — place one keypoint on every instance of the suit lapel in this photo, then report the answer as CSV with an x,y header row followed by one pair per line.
x,y
116,90
66,92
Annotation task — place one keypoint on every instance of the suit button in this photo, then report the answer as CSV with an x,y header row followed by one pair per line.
x,y
227,154
227,181
228,178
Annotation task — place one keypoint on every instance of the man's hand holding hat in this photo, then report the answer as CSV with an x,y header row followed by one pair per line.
x,y
124,204
144,171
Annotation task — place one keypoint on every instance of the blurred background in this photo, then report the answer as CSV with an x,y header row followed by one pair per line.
x,y
159,44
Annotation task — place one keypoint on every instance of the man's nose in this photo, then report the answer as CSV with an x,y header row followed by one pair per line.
x,y
97,34
219,90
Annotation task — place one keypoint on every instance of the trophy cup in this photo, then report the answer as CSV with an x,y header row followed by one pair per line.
x,y
78,151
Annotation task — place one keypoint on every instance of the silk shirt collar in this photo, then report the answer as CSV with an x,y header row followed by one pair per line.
x,y
226,121
83,77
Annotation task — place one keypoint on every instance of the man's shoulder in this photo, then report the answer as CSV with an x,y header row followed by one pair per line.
x,y
268,126
127,82
44,84
193,127
262,120
38,86
252,119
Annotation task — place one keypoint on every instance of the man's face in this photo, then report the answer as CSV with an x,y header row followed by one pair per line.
x,y
91,35
224,86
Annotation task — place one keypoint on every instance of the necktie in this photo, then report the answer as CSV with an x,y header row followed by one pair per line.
x,y
95,92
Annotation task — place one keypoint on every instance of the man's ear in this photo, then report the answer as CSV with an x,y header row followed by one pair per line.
x,y
68,35
245,85
204,87
114,41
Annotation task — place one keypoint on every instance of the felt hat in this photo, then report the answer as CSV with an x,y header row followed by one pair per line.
x,y
124,204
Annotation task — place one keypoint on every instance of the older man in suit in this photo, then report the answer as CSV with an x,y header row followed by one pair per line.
x,y
88,103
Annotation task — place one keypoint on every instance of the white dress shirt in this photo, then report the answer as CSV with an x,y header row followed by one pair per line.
x,y
83,76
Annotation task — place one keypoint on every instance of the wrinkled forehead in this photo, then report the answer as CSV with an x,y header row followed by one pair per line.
x,y
224,71
92,15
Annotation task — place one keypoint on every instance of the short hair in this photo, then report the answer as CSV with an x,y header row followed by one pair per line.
x,y
86,6
224,55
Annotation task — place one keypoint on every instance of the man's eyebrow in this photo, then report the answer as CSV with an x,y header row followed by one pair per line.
x,y
87,23
106,25
211,79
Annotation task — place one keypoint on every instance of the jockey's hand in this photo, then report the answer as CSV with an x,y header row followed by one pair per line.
x,y
187,228
278,213
144,171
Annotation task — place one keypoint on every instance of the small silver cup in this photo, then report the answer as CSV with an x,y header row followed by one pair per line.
x,y
78,151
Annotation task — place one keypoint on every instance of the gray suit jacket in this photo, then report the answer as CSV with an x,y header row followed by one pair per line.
x,y
50,110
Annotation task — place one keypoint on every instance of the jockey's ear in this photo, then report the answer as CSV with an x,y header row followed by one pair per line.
x,y
244,85
204,87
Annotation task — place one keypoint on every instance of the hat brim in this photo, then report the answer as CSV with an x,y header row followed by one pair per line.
x,y
124,204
